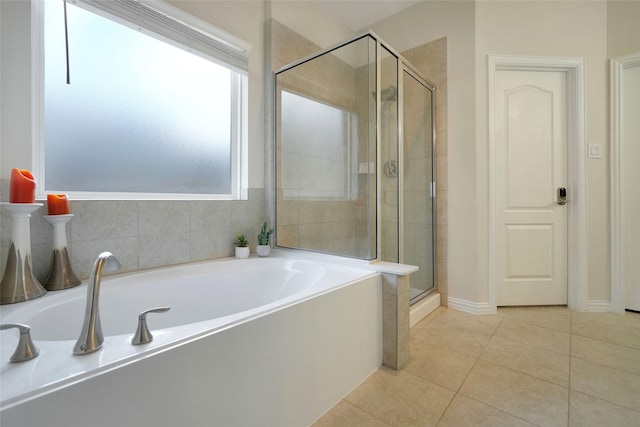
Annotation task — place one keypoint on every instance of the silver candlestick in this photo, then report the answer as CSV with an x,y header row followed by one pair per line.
x,y
18,282
60,276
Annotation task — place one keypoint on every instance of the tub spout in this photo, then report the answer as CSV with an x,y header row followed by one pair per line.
x,y
91,337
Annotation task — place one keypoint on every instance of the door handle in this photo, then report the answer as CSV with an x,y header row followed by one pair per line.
x,y
562,196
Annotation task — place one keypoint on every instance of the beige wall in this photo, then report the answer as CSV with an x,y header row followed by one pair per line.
x,y
309,20
594,30
420,24
15,128
566,28
623,27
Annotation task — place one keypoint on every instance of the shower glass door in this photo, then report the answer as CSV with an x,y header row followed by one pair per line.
x,y
418,143
326,152
354,157
388,151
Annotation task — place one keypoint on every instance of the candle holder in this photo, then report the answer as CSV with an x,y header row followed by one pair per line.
x,y
18,282
60,276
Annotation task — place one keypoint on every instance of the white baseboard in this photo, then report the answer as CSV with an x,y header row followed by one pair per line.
x,y
470,306
599,305
423,308
483,307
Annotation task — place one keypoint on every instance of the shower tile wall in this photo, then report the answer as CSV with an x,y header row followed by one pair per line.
x,y
142,234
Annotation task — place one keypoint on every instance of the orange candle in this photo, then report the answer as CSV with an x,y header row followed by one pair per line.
x,y
58,204
23,187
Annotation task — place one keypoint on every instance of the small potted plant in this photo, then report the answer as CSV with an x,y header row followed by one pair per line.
x,y
242,246
263,247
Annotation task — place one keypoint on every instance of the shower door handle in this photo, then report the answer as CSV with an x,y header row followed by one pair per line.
x,y
562,196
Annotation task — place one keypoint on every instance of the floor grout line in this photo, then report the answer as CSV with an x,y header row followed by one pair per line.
x,y
606,401
475,363
570,366
497,409
367,412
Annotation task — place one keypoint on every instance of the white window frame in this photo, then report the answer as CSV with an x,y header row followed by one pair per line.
x,y
239,99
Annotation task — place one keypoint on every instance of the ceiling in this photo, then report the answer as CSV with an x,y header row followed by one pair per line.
x,y
360,14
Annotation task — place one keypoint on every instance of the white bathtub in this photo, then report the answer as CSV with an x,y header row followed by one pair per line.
x,y
263,341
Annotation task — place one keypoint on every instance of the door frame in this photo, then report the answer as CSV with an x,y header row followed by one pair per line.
x,y
577,273
616,67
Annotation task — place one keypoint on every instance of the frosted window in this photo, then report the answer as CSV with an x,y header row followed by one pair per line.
x,y
140,115
316,155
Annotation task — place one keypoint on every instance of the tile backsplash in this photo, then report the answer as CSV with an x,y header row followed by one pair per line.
x,y
142,234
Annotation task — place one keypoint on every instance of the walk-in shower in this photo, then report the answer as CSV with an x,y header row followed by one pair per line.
x,y
355,165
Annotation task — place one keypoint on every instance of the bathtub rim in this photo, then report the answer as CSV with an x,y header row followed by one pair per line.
x,y
25,311
164,340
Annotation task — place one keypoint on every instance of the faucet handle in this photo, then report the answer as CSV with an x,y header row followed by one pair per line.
x,y
142,335
25,350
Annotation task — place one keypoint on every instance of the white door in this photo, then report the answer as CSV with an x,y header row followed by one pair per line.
x,y
530,128
630,177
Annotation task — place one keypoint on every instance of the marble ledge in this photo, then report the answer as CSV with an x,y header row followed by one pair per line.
x,y
393,268
373,265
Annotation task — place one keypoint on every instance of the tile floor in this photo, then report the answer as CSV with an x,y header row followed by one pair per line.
x,y
544,366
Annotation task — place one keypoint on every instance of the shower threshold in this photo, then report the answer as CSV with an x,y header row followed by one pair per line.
x,y
417,292
423,306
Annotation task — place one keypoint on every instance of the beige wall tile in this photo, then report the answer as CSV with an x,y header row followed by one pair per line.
x,y
288,236
441,207
310,235
288,212
441,274
442,239
442,168
441,145
310,212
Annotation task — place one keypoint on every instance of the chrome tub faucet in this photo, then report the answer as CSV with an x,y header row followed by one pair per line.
x,y
91,337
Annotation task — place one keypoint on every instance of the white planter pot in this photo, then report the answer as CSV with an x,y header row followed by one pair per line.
x,y
242,252
263,250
